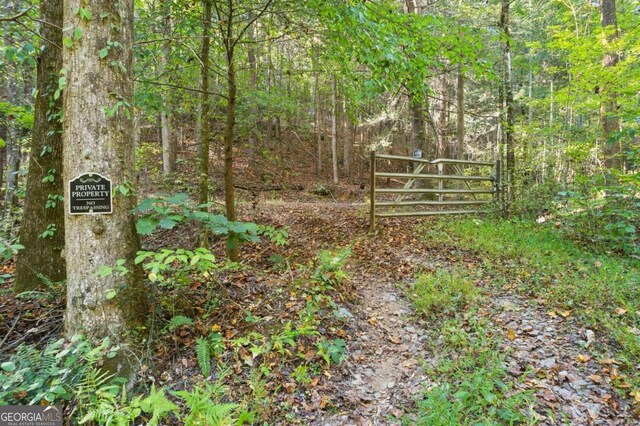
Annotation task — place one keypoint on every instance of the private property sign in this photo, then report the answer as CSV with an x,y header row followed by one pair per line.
x,y
90,193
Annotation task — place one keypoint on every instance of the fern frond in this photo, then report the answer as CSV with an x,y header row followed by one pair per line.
x,y
158,405
177,321
221,414
203,355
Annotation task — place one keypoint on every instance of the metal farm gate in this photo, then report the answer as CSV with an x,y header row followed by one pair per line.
x,y
434,196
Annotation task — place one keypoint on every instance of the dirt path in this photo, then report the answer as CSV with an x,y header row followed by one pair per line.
x,y
383,374
570,386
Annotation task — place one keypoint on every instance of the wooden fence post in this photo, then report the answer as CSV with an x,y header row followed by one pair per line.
x,y
372,216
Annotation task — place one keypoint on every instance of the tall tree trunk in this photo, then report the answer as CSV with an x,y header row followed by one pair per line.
x,y
253,86
13,167
166,134
317,118
4,132
168,156
229,191
459,147
205,118
347,139
98,137
418,135
334,135
443,113
507,106
43,207
609,104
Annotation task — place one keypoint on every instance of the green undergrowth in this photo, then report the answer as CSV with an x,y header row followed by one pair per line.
x,y
469,382
602,290
251,369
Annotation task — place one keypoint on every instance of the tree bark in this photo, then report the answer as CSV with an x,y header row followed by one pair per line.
x,y
418,135
443,113
459,147
253,86
347,139
13,167
334,136
229,191
609,104
205,119
508,105
166,134
168,151
98,137
317,118
43,208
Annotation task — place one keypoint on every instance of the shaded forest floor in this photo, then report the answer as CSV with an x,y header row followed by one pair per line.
x,y
532,356
428,328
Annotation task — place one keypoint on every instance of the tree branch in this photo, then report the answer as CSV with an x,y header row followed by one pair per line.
x,y
15,17
175,86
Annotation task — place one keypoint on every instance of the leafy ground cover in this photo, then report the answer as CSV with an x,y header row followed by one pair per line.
x,y
428,322
546,324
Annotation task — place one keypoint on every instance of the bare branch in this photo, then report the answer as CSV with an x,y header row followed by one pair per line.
x,y
15,17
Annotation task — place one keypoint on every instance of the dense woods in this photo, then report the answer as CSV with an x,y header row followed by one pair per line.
x,y
235,272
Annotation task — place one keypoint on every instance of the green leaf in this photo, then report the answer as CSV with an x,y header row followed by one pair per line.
x,y
103,53
167,223
104,271
110,294
179,198
85,14
146,226
8,366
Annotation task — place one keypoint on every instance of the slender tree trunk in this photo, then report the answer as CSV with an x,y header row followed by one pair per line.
x,y
443,113
318,123
98,137
3,154
205,118
253,75
43,208
417,135
459,148
13,167
609,103
334,136
347,139
166,134
229,191
168,157
508,106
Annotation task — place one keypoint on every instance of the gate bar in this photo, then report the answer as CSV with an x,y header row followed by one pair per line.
x,y
421,176
431,203
431,191
433,213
